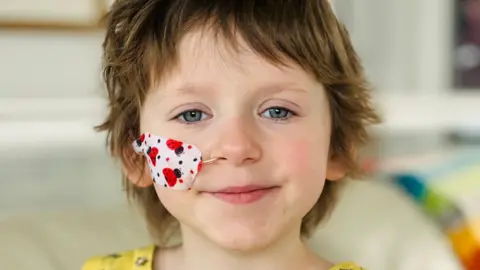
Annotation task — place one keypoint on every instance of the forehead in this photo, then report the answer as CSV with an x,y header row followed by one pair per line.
x,y
206,57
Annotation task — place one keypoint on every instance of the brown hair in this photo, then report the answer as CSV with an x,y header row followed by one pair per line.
x,y
143,36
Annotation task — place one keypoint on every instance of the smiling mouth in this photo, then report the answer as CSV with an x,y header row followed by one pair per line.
x,y
243,195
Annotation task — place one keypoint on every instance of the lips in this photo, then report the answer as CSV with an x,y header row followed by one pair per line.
x,y
243,194
241,189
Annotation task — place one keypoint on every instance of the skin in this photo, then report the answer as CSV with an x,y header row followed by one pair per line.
x,y
231,95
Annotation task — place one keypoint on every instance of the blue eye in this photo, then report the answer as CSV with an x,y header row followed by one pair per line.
x,y
191,116
277,113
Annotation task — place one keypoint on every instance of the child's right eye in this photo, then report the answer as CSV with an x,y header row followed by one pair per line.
x,y
191,116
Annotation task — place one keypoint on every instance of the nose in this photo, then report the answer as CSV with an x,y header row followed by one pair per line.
x,y
236,143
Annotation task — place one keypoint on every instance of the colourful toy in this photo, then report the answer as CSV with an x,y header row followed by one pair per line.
x,y
447,186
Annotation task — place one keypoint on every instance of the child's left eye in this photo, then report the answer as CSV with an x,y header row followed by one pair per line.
x,y
277,113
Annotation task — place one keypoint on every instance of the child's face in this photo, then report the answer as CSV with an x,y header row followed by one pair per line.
x,y
270,127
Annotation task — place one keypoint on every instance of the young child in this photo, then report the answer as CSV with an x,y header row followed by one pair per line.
x,y
271,92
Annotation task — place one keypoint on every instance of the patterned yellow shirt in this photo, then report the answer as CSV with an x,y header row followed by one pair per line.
x,y
141,259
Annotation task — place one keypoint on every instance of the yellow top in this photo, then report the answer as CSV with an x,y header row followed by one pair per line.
x,y
141,259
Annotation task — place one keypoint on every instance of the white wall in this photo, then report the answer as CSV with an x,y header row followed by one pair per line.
x,y
406,44
49,64
50,90
407,49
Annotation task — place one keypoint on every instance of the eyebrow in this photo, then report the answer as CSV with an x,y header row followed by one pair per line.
x,y
190,88
274,88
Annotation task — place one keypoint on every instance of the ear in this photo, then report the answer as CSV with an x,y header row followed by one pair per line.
x,y
135,168
335,170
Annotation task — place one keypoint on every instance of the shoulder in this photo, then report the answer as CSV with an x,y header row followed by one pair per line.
x,y
347,266
138,259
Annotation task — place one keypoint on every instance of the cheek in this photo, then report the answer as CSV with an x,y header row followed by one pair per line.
x,y
304,159
304,171
176,202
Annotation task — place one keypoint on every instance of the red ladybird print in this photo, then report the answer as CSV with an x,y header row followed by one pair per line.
x,y
176,146
170,177
152,153
173,144
140,140
178,173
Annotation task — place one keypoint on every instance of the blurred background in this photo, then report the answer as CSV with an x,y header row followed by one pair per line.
x,y
423,58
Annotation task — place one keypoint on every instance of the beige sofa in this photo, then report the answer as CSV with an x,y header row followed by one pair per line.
x,y
374,225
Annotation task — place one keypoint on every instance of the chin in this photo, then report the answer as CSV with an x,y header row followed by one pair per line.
x,y
239,238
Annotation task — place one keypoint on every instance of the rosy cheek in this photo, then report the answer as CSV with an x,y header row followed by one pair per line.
x,y
302,158
297,155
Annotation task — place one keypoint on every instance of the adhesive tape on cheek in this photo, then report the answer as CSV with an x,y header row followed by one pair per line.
x,y
173,164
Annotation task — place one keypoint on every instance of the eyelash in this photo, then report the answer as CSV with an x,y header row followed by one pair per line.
x,y
182,114
289,112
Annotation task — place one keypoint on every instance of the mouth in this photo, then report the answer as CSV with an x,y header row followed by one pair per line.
x,y
243,194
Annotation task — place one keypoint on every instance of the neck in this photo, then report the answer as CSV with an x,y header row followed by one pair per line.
x,y
290,252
